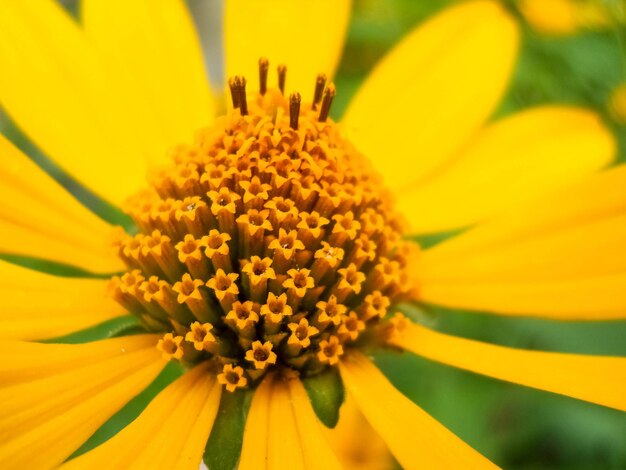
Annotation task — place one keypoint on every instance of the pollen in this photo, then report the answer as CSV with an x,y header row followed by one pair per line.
x,y
266,243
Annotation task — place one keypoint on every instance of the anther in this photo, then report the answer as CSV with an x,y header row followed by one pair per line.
x,y
327,101
243,103
282,76
294,110
234,91
320,83
263,69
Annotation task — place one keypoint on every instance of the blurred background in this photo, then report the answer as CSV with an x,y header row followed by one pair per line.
x,y
573,52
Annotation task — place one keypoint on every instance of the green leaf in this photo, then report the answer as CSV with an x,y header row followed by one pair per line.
x,y
125,325
224,445
50,267
326,393
132,410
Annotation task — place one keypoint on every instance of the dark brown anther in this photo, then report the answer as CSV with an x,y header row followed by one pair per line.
x,y
327,101
282,76
243,102
320,83
294,110
234,91
263,69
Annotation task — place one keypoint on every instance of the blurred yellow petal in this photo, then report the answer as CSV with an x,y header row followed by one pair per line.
x,y
415,438
557,17
356,443
433,91
565,17
282,430
170,433
307,36
35,306
57,91
597,379
617,103
155,57
54,396
316,450
517,158
570,243
39,218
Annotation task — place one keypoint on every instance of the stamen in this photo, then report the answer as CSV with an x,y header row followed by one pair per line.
x,y
263,70
282,76
294,110
243,101
329,94
320,83
234,91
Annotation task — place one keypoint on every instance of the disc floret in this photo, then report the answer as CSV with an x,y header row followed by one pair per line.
x,y
269,242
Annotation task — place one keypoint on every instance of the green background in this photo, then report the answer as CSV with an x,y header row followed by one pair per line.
x,y
516,427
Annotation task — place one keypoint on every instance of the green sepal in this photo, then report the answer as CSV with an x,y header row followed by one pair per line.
x,y
51,267
326,394
223,448
125,325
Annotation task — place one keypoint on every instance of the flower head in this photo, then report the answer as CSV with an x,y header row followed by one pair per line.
x,y
269,256
310,252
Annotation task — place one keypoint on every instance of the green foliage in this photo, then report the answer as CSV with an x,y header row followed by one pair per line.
x,y
120,326
326,393
49,267
224,445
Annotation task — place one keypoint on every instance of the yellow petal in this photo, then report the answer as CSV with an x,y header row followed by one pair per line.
x,y
154,55
597,379
570,243
54,396
356,443
433,91
39,218
415,438
567,17
35,306
284,449
282,430
316,451
57,90
307,36
594,298
254,450
518,158
170,433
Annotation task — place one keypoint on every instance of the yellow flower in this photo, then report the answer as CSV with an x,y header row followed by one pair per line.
x,y
270,247
617,104
565,17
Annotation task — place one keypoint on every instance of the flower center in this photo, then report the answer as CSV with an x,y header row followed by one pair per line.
x,y
269,242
